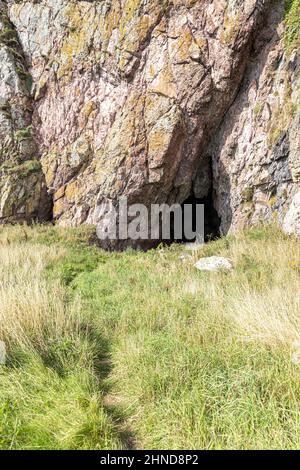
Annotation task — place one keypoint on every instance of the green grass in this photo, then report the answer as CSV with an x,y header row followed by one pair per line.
x,y
292,25
140,350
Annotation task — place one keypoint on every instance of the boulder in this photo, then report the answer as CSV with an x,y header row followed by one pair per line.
x,y
214,264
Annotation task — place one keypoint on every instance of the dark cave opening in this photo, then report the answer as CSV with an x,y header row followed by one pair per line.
x,y
212,220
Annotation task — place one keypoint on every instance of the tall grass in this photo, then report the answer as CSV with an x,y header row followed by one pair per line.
x,y
140,350
31,311
50,393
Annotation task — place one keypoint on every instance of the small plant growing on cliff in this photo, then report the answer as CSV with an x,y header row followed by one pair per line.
x,y
258,109
247,194
26,78
231,24
272,202
23,134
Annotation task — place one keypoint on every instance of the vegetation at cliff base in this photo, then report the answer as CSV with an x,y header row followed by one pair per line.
x,y
141,350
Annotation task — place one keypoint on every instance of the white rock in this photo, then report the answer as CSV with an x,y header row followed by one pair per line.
x,y
291,224
214,263
2,353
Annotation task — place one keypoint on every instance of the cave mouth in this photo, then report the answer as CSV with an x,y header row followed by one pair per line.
x,y
212,220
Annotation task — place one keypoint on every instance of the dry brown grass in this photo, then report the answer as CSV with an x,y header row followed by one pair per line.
x,y
31,307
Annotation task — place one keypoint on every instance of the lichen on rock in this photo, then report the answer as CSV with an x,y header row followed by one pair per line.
x,y
23,194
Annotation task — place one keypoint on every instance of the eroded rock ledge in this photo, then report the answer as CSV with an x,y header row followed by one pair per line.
x,y
109,98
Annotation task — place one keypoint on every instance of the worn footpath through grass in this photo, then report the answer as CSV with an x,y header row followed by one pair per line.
x,y
140,350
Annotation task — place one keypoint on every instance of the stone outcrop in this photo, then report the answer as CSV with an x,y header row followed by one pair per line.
x,y
108,98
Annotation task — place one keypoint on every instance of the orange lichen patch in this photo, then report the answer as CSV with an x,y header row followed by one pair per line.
x,y
137,21
110,21
152,71
59,207
158,142
230,27
164,84
59,193
82,23
49,165
88,108
156,106
181,47
71,191
186,3
199,40
130,25
124,141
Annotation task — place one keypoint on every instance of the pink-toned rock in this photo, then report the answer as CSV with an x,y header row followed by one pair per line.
x,y
142,99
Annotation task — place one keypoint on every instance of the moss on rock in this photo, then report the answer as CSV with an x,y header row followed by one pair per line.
x,y
292,22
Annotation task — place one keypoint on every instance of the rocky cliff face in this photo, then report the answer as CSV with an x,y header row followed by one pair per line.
x,y
155,100
256,150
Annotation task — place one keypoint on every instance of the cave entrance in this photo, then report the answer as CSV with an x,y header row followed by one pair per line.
x,y
212,221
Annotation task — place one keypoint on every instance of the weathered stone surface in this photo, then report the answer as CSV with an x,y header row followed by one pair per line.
x,y
138,98
214,264
256,151
23,193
